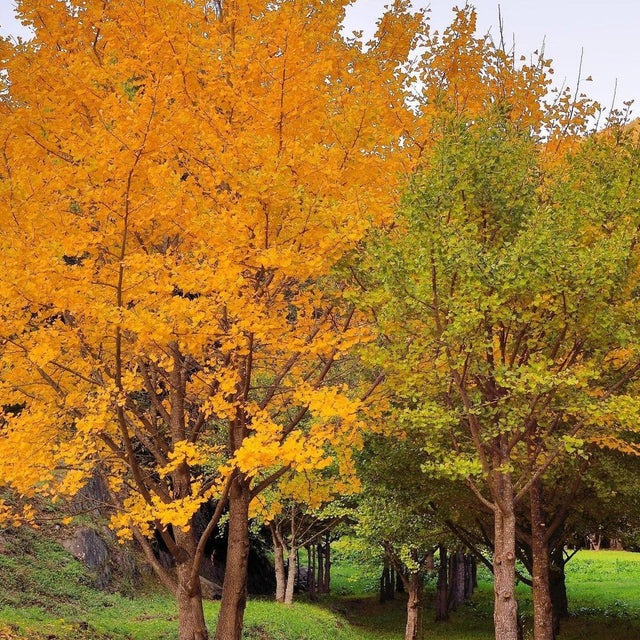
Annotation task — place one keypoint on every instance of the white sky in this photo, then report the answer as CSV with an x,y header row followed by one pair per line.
x,y
608,31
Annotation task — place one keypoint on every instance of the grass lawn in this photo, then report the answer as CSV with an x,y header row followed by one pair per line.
x,y
604,598
44,594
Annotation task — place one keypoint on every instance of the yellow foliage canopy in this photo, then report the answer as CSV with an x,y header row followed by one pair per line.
x,y
174,185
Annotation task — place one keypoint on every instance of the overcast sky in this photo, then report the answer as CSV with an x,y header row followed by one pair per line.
x,y
608,32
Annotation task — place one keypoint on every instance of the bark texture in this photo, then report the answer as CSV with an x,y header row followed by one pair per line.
x,y
457,581
505,613
413,607
558,588
234,589
278,561
191,622
291,576
543,627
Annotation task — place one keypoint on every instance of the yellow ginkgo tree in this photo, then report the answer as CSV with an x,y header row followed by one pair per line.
x,y
177,179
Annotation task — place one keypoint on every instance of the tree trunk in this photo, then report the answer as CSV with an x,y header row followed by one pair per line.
x,y
558,588
291,575
505,613
474,573
469,575
430,563
278,561
391,584
386,585
320,557
413,607
616,545
442,609
191,622
459,578
595,541
542,606
455,593
234,588
326,586
311,572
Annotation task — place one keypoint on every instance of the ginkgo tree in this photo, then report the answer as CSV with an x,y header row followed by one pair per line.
x,y
507,289
297,519
176,180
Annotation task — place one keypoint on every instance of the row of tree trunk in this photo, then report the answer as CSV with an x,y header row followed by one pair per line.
x,y
457,579
390,582
534,536
456,575
318,574
319,567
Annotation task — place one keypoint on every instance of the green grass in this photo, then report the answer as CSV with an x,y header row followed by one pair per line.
x,y
604,598
152,617
591,577
45,594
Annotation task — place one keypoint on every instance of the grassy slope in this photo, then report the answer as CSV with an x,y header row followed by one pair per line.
x,y
45,594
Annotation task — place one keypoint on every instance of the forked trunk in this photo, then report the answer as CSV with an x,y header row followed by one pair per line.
x,y
413,607
191,623
234,588
505,613
542,606
278,561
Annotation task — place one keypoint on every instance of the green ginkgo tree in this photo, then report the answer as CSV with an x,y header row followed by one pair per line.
x,y
506,293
